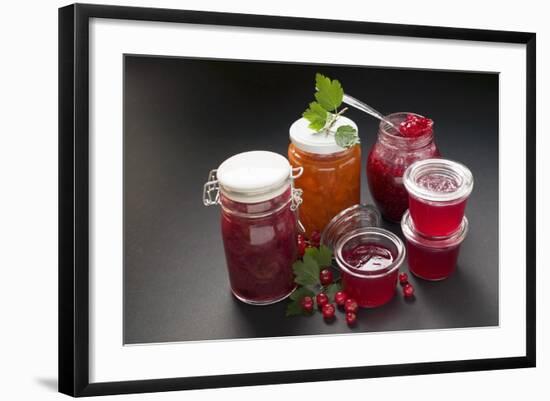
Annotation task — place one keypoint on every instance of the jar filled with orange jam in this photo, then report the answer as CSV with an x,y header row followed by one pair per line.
x,y
331,181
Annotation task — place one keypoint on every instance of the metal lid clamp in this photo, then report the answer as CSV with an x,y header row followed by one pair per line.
x,y
296,193
211,190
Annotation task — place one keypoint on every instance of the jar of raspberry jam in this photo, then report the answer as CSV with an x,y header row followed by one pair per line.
x,y
395,150
438,190
432,258
258,223
331,181
369,260
352,218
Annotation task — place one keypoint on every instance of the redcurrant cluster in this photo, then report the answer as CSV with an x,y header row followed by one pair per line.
x,y
408,289
303,243
348,305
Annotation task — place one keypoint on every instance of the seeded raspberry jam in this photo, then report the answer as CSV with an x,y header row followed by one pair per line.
x,y
369,261
432,258
395,150
438,190
258,224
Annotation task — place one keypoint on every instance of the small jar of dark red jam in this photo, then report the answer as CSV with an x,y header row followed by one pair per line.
x,y
369,260
432,258
409,140
438,190
258,223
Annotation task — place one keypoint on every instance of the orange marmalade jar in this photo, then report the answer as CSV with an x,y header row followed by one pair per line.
x,y
331,181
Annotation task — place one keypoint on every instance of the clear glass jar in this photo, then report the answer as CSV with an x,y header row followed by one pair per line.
x,y
331,181
438,190
432,258
387,161
352,218
369,261
258,224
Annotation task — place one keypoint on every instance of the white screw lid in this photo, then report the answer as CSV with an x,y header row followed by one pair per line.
x,y
307,140
254,176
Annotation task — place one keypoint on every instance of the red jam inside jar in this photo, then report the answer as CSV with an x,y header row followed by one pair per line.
x,y
432,258
369,260
438,191
394,151
258,224
260,247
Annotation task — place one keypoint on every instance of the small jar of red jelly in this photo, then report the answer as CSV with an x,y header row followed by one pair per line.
x,y
432,258
352,218
369,260
258,223
438,190
389,158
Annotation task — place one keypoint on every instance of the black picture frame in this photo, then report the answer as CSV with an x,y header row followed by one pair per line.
x,y
74,198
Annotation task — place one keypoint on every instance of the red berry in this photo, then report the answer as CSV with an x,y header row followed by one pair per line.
x,y
301,245
408,291
307,304
326,277
315,239
328,311
351,318
403,278
340,298
351,305
322,300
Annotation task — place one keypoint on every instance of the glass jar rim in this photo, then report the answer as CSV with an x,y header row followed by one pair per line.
x,y
376,231
345,216
412,235
459,172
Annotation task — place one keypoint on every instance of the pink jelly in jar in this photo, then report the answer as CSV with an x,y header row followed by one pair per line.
x,y
438,190
258,224
369,260
432,258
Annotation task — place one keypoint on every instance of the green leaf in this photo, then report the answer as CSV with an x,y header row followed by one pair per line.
x,y
346,136
322,255
294,308
300,293
316,115
333,289
329,92
306,271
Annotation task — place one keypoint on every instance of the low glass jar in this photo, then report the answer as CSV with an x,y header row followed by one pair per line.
x,y
387,161
352,218
258,224
438,190
369,260
331,181
432,258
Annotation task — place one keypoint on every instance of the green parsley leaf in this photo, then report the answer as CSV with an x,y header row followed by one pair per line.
x,y
300,293
329,92
322,255
332,290
346,136
306,271
316,115
294,308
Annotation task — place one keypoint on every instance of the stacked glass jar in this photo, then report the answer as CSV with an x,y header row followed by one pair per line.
x,y
258,223
435,226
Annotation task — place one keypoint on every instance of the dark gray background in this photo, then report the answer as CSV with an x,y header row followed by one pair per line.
x,y
183,117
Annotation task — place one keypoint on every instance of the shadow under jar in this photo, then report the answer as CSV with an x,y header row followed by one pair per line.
x,y
432,258
388,159
258,224
331,181
369,260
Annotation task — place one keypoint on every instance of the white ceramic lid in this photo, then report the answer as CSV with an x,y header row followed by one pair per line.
x,y
254,176
306,139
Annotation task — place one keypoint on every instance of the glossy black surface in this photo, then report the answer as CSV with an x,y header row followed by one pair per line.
x,y
183,117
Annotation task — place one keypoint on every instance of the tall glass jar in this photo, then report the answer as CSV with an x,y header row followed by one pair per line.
x,y
387,161
331,181
258,224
